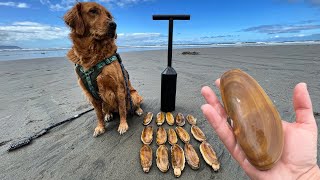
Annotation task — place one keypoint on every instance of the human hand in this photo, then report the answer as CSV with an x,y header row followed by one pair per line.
x,y
299,157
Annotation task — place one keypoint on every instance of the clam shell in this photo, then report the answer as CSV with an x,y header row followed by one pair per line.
x,y
180,121
172,137
146,157
209,155
257,124
147,135
191,156
197,133
183,134
177,159
191,120
161,136
160,118
162,158
148,118
169,118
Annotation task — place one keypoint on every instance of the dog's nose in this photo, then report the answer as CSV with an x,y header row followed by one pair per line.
x,y
112,25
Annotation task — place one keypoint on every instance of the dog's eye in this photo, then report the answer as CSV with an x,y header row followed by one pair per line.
x,y
93,11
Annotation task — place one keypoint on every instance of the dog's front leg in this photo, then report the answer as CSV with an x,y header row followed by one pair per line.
x,y
123,127
100,129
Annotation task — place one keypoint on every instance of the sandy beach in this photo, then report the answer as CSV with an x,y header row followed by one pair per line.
x,y
35,93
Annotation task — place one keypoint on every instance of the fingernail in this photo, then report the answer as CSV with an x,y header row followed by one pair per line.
x,y
305,85
202,107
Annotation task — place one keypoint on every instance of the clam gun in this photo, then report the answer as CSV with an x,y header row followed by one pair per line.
x,y
169,75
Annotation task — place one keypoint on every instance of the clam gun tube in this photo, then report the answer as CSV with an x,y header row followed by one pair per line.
x,y
169,75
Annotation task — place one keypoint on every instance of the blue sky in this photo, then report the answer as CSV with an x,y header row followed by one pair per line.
x,y
38,23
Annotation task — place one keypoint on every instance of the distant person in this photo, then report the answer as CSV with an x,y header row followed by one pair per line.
x,y
299,157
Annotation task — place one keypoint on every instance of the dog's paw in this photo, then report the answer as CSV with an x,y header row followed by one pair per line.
x,y
98,131
123,127
108,117
139,112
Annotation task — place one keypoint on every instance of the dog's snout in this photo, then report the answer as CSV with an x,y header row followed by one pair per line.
x,y
112,25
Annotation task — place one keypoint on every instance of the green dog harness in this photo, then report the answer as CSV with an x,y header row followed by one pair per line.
x,y
89,77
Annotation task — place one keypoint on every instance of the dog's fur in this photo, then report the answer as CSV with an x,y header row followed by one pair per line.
x,y
93,39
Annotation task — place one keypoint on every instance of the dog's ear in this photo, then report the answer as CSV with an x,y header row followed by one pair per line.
x,y
73,19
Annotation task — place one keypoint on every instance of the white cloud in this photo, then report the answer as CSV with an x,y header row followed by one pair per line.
x,y
61,6
299,35
14,4
138,35
67,4
26,31
122,3
146,38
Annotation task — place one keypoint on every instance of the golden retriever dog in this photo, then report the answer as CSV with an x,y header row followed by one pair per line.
x,y
93,34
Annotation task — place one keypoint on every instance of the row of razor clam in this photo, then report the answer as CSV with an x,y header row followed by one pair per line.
x,y
178,155
162,117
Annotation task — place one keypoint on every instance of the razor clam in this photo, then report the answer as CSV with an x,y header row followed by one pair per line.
x,y
177,159
209,155
191,120
197,133
172,137
169,118
180,121
257,124
146,157
161,136
191,156
162,158
160,118
183,134
147,135
148,118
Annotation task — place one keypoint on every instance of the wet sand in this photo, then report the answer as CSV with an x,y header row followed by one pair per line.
x,y
35,93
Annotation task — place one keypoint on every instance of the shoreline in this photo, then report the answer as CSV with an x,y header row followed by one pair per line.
x,y
42,55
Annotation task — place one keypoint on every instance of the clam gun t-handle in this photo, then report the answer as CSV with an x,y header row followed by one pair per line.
x,y
170,18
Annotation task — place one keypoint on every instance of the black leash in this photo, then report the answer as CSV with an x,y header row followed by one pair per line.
x,y
126,79
28,140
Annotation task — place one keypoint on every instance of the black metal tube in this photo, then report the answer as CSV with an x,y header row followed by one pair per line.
x,y
168,17
170,42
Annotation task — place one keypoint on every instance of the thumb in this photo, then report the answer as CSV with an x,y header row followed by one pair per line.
x,y
302,105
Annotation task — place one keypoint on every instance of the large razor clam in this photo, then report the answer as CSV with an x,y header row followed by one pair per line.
x,y
162,158
177,159
160,118
191,119
169,118
180,121
161,136
191,156
183,134
257,124
146,157
209,155
172,137
197,133
147,135
148,118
